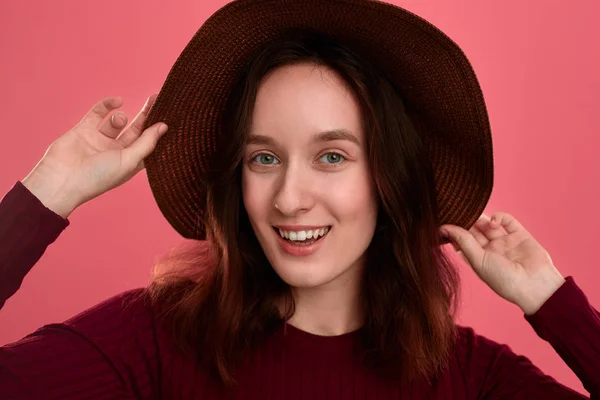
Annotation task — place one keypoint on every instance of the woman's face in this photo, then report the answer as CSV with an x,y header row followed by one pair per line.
x,y
306,154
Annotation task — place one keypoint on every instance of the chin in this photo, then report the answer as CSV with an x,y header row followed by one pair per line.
x,y
306,278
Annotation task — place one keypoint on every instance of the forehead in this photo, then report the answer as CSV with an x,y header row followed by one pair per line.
x,y
305,100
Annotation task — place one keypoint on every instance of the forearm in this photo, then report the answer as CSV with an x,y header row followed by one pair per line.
x,y
27,228
572,326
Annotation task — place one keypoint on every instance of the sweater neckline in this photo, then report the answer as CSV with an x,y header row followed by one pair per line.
x,y
315,341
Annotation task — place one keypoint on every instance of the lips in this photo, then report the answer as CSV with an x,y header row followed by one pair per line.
x,y
299,248
327,227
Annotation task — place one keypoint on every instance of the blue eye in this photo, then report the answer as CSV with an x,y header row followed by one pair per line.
x,y
334,158
265,157
331,158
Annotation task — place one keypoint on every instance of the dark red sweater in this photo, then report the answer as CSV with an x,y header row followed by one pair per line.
x,y
116,350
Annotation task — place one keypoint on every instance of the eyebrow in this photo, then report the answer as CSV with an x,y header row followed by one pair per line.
x,y
327,136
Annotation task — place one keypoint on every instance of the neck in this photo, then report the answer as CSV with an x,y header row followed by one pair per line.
x,y
332,309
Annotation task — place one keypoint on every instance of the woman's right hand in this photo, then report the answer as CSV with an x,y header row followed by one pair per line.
x,y
93,157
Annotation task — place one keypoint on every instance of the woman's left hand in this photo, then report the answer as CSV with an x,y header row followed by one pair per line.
x,y
508,259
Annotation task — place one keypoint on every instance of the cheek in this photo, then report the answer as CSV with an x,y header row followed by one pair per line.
x,y
356,210
353,197
254,196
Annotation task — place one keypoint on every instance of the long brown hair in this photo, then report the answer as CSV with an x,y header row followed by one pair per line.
x,y
219,295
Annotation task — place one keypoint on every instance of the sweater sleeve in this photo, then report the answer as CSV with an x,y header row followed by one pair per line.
x,y
571,326
27,228
108,351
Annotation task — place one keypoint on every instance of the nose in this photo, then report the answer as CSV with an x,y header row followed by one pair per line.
x,y
294,195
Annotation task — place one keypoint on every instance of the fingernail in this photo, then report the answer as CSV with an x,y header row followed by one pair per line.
x,y
162,128
444,233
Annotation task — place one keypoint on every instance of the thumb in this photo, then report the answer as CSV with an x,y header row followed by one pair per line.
x,y
141,148
464,242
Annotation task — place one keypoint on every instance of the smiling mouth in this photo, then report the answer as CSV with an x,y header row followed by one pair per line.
x,y
305,241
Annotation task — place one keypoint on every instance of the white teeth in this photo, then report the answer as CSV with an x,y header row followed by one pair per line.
x,y
303,235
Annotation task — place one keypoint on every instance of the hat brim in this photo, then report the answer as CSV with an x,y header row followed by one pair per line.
x,y
438,84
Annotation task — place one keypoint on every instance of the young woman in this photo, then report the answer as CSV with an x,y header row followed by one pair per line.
x,y
320,152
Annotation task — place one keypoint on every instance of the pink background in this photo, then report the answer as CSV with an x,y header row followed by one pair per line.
x,y
537,61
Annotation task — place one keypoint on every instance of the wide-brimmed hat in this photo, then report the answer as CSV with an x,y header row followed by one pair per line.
x,y
436,80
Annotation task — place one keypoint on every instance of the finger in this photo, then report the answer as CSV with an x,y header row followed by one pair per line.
x,y
466,243
479,235
113,126
508,222
488,229
462,257
133,131
141,148
97,114
138,168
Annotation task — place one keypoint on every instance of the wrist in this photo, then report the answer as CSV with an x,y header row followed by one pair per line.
x,y
51,192
540,292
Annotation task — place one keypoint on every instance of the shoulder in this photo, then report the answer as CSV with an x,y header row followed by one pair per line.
x,y
470,344
124,329
475,352
115,341
487,366
122,311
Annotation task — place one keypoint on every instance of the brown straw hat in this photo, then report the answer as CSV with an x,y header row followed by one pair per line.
x,y
436,80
